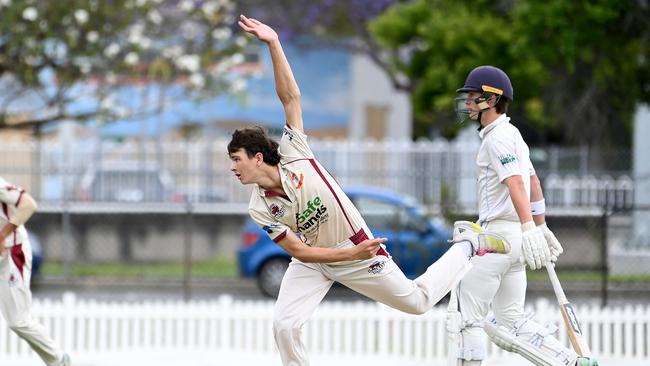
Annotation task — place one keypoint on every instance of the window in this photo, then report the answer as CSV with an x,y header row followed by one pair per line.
x,y
379,214
389,216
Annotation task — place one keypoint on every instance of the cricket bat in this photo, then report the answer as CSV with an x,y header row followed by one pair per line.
x,y
568,314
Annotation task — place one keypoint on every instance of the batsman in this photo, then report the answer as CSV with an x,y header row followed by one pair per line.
x,y
511,204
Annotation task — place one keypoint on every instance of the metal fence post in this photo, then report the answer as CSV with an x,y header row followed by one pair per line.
x,y
36,170
604,257
187,252
67,237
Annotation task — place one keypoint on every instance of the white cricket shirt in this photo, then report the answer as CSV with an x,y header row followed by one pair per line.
x,y
314,206
10,196
503,153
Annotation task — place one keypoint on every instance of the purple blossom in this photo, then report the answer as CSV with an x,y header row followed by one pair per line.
x,y
302,18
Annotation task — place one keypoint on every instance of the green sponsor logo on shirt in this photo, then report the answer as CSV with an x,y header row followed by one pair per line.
x,y
507,159
314,213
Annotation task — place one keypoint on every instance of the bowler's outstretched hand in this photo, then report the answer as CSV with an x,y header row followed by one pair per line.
x,y
368,248
262,31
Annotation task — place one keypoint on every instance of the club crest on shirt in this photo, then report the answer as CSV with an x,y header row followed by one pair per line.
x,y
376,267
12,280
277,211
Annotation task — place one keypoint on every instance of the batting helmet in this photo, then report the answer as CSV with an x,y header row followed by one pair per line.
x,y
488,79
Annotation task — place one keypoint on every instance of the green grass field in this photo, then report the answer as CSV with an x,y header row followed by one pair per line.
x,y
213,268
586,276
227,268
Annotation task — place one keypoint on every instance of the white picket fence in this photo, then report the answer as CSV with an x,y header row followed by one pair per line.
x,y
347,329
589,191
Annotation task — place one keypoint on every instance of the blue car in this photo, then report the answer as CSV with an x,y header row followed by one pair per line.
x,y
414,241
37,254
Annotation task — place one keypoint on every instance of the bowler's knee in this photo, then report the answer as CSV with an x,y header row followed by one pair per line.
x,y
17,321
417,310
416,305
17,327
284,328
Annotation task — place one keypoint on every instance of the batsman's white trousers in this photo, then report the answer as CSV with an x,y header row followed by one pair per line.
x,y
16,300
305,284
497,279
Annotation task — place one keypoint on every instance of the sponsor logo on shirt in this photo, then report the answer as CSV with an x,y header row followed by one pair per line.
x,y
376,267
277,211
507,159
314,214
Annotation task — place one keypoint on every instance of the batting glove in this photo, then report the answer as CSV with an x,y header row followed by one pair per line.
x,y
553,244
534,248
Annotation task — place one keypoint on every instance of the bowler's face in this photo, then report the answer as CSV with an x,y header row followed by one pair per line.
x,y
243,166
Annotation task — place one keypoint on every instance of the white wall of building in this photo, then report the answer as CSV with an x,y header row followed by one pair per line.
x,y
641,154
641,173
371,87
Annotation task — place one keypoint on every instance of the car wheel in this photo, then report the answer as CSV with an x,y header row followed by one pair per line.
x,y
270,276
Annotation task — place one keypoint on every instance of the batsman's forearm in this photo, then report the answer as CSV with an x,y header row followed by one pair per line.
x,y
536,194
519,198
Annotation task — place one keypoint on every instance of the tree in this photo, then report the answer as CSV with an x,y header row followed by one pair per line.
x,y
578,67
596,64
318,20
75,59
326,23
432,45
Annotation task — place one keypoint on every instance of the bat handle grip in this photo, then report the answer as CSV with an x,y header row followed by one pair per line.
x,y
555,281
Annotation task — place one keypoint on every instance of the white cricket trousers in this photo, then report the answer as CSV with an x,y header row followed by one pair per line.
x,y
16,300
305,284
498,280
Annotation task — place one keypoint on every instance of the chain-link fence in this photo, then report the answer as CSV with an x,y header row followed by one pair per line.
x,y
435,173
162,246
173,211
628,244
603,252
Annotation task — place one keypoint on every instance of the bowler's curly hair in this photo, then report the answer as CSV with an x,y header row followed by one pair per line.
x,y
255,140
